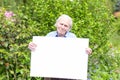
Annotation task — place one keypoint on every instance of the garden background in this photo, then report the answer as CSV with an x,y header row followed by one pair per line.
x,y
96,20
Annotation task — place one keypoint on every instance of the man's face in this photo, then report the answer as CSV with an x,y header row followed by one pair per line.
x,y
63,26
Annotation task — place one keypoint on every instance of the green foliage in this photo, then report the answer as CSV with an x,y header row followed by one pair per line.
x,y
13,47
92,20
115,38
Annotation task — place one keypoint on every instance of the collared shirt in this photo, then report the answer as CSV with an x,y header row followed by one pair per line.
x,y
55,34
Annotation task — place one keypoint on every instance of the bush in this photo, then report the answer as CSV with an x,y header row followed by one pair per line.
x,y
92,20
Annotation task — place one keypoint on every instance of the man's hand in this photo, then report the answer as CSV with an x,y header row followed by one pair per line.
x,y
32,46
88,50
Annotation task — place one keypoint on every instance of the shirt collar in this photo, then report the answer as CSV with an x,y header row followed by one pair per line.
x,y
57,34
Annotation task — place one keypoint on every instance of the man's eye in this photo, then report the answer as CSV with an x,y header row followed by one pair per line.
x,y
61,24
66,26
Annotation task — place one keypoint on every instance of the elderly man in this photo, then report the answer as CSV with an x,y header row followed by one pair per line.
x,y
63,25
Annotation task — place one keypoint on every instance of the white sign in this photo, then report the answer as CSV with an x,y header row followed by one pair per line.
x,y
58,57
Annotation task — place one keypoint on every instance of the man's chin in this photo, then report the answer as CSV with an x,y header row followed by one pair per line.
x,y
61,34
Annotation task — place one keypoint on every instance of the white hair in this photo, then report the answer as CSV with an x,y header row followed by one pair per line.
x,y
66,17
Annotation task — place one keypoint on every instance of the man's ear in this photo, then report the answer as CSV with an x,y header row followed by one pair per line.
x,y
55,24
70,28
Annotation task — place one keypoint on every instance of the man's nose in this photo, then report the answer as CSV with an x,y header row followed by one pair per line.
x,y
63,26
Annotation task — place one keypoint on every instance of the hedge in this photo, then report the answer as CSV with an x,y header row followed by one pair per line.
x,y
92,19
